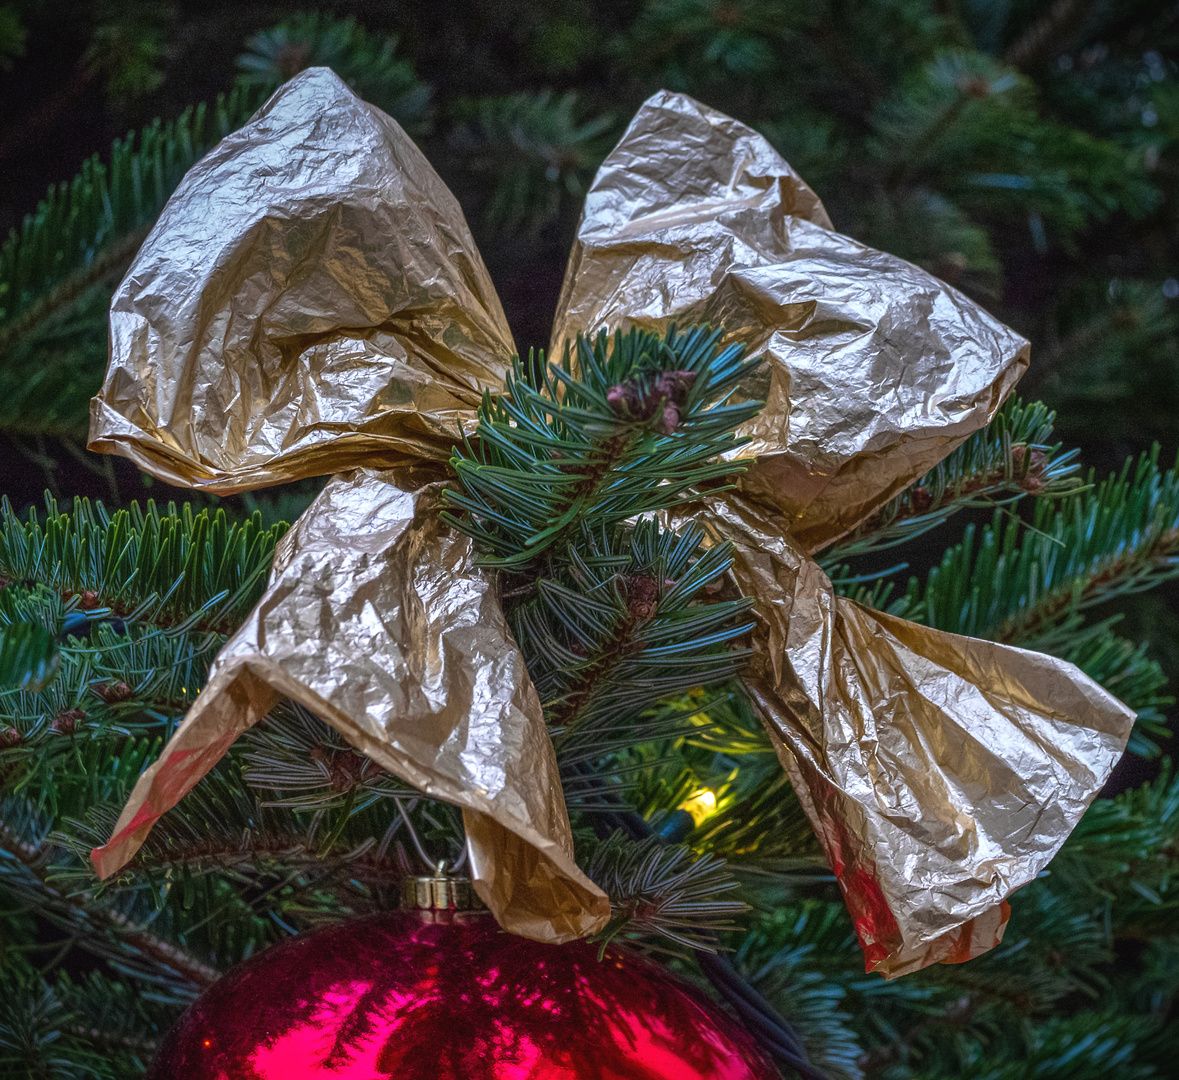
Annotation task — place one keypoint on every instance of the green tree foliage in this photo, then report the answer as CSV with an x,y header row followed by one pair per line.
x,y
1025,152
981,144
58,271
364,61
12,36
535,150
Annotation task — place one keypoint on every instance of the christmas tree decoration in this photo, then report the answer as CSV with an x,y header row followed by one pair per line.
x,y
402,331
941,774
446,995
349,254
434,691
337,315
875,369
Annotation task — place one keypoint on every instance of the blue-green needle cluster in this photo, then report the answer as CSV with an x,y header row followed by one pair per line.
x,y
622,426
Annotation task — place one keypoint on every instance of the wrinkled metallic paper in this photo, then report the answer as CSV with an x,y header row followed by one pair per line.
x,y
874,369
377,620
311,300
941,773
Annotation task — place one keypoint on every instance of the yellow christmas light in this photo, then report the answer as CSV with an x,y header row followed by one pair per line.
x,y
701,805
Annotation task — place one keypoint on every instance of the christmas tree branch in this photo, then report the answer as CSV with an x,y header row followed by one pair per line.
x,y
535,148
1018,580
294,751
273,852
366,61
630,838
225,824
663,890
97,1037
1012,457
111,261
1049,32
615,617
643,420
966,127
177,569
87,227
1123,668
625,630
336,831
132,946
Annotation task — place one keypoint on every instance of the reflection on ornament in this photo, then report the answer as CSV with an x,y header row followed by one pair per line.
x,y
420,995
701,805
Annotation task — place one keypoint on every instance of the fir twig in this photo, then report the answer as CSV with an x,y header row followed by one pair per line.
x,y
88,227
132,942
1014,584
625,630
1012,457
179,569
644,419
664,890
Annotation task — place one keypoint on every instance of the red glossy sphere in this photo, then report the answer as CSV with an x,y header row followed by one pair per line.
x,y
451,997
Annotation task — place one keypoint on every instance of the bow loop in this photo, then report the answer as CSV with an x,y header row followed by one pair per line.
x,y
310,300
941,773
875,369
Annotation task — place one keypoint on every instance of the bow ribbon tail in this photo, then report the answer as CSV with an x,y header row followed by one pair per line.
x,y
940,772
379,622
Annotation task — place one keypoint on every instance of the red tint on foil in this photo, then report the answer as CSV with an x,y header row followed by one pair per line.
x,y
439,997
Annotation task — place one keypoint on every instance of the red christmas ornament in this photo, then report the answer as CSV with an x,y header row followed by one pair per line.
x,y
448,996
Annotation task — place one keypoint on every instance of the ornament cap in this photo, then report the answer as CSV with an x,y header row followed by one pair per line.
x,y
439,891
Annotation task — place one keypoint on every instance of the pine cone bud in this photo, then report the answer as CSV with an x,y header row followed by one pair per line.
x,y
68,721
642,596
662,398
920,500
670,419
113,692
975,86
345,766
626,400
1029,465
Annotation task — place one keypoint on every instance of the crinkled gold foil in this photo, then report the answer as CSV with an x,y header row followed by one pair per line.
x,y
875,370
311,300
378,621
940,772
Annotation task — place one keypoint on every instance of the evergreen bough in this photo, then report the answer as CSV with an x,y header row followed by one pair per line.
x,y
974,139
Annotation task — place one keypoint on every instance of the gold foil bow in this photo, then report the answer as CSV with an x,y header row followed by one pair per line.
x,y
876,370
311,300
377,620
940,772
